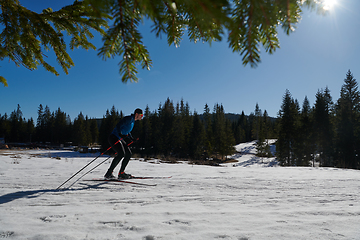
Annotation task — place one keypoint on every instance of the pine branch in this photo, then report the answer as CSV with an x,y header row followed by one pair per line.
x,y
128,74
173,30
26,33
3,81
288,16
249,49
270,41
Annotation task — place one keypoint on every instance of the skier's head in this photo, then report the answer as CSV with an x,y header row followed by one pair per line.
x,y
138,114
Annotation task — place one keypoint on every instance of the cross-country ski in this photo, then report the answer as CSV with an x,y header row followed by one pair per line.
x,y
115,180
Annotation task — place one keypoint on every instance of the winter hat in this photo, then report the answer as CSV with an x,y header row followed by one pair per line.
x,y
138,111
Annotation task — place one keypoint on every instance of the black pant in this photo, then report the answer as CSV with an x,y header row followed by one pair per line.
x,y
123,151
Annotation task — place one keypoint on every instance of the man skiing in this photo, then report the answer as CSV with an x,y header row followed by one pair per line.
x,y
121,131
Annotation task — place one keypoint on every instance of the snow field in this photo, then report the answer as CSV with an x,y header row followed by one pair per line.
x,y
236,201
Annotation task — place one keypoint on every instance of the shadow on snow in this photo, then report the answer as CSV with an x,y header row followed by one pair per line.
x,y
264,162
37,193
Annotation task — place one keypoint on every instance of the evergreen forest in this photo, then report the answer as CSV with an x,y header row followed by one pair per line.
x,y
170,131
327,133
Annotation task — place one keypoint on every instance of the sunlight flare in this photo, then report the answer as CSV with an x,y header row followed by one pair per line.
x,y
328,4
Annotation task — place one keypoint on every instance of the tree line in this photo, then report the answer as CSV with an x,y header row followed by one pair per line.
x,y
52,128
328,133
172,130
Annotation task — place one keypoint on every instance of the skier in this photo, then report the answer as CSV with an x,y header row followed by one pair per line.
x,y
121,131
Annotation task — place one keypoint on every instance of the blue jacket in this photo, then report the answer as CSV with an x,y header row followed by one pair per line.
x,y
124,126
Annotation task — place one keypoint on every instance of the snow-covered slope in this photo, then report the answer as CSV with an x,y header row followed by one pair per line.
x,y
250,147
246,155
198,202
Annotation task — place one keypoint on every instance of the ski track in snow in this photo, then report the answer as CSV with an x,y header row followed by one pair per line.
x,y
243,201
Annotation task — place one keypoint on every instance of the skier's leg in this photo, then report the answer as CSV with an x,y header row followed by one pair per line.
x,y
127,156
120,154
113,165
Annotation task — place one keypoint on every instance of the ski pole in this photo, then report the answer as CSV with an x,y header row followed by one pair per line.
x,y
97,165
87,165
87,172
132,142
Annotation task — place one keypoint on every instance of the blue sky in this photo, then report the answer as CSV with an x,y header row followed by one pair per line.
x,y
317,55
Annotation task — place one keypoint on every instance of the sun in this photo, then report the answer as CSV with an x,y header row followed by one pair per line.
x,y
328,4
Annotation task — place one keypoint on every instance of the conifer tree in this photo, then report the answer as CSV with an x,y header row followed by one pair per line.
x,y
251,120
263,140
269,126
188,121
242,129
219,130
230,140
156,133
306,136
69,129
258,131
94,130
348,124
16,125
237,131
223,137
47,119
257,122
15,128
4,127
145,138
179,131
30,130
297,144
209,140
166,118
88,136
288,116
196,142
40,124
60,127
323,127
79,133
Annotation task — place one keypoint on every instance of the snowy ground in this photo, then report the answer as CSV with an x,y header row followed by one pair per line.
x,y
244,200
